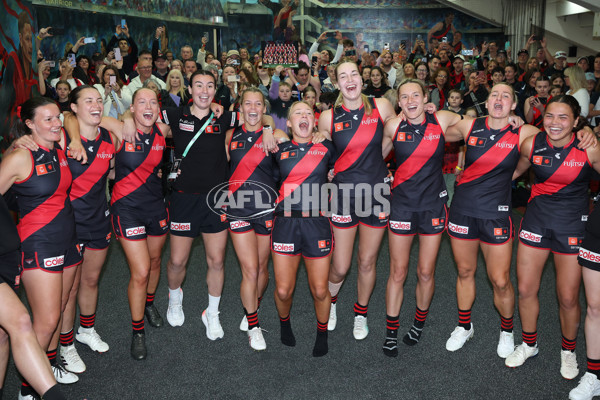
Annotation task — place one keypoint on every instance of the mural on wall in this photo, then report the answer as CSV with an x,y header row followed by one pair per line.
x,y
17,74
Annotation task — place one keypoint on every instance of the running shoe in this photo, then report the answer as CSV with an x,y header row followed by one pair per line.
x,y
361,329
332,318
506,344
214,330
153,317
244,324
28,397
71,360
256,339
568,365
63,376
90,337
138,346
589,386
458,338
175,315
520,355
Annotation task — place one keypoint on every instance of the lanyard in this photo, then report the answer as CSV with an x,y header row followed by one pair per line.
x,y
200,132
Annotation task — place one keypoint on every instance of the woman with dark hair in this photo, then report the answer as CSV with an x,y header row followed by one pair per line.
x,y
439,94
529,79
422,72
110,88
83,70
377,85
554,222
41,179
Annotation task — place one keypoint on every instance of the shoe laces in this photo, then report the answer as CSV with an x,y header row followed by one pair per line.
x,y
95,338
570,360
70,355
588,382
60,370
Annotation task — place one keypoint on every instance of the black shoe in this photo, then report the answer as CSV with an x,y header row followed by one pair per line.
x,y
153,317
138,346
390,347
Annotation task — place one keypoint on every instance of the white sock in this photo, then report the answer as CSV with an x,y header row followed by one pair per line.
x,y
213,304
85,330
334,288
175,295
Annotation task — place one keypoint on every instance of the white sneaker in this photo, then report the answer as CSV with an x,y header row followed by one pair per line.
x,y
332,318
361,329
568,365
28,397
63,376
589,386
244,324
90,337
520,355
214,330
459,337
256,339
71,360
506,344
175,315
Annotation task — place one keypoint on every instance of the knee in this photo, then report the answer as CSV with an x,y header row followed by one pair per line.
x,y
366,263
501,283
398,274
215,262
425,275
46,325
140,277
569,301
593,311
465,272
320,292
284,293
250,271
155,262
177,264
527,290
21,325
90,281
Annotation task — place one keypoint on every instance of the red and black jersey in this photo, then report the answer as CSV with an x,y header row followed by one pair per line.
x,y
46,217
419,149
137,185
562,176
357,138
251,171
303,168
205,166
88,191
484,190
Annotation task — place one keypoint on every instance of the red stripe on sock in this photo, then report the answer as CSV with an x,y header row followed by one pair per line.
x,y
334,299
506,323
421,315
529,337
137,325
322,327
569,344
285,319
359,309
464,316
593,365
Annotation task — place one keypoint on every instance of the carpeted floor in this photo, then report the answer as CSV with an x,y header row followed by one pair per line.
x,y
183,363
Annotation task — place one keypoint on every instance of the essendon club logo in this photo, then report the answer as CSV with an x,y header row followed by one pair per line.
x,y
269,223
543,161
437,221
237,145
323,244
573,241
405,137
213,128
476,141
223,217
289,154
162,223
133,148
500,231
43,169
342,126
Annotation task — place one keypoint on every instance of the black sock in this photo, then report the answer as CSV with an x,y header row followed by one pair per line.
x,y
149,299
66,338
287,335
529,338
138,326
390,346
51,354
360,310
27,390
54,393
569,345
464,319
593,367
506,324
413,335
321,347
252,319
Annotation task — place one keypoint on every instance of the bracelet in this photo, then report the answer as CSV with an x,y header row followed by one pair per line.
x,y
38,37
458,168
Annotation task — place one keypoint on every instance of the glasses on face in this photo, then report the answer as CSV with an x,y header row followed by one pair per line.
x,y
144,68
442,77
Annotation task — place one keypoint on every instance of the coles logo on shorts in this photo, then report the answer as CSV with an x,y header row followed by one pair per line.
x,y
400,225
283,247
589,255
463,230
532,237
54,261
341,219
138,230
238,224
573,241
181,226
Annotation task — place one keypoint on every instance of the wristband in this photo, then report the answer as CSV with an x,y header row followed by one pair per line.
x,y
38,37
458,168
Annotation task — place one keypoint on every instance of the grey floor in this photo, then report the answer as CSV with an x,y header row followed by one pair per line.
x,y
183,363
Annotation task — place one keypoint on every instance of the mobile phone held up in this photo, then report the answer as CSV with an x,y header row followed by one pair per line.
x,y
117,52
72,60
89,40
123,23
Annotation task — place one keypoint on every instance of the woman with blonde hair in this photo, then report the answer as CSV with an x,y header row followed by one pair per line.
x,y
175,95
575,80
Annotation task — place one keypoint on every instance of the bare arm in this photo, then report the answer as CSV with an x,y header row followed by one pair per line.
x,y
524,162
15,167
386,109
388,136
325,124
